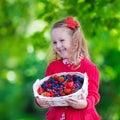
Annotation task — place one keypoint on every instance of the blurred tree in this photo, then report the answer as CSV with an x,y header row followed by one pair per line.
x,y
24,48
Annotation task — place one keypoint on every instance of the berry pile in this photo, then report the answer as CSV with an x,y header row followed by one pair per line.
x,y
60,85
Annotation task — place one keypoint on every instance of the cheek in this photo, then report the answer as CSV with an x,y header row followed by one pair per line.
x,y
71,49
54,48
70,46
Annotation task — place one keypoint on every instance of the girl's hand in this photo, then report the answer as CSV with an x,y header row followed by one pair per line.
x,y
41,103
77,103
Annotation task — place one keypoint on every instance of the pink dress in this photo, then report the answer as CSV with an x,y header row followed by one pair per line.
x,y
69,113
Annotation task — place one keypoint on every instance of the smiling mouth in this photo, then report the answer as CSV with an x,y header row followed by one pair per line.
x,y
61,51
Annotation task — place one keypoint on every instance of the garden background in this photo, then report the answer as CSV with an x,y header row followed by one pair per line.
x,y
24,49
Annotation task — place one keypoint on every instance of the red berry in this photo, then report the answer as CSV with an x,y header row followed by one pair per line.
x,y
40,90
61,79
47,94
70,84
63,94
52,94
49,85
56,82
54,88
68,75
67,91
55,76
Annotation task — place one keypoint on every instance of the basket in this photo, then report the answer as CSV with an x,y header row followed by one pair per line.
x,y
61,100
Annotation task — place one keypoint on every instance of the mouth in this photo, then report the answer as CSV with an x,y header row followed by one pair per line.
x,y
61,51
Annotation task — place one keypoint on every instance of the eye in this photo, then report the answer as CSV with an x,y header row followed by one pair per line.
x,y
62,40
54,42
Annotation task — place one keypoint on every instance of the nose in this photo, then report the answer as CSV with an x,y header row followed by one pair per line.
x,y
58,45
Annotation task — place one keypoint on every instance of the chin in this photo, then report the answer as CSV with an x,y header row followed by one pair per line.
x,y
65,57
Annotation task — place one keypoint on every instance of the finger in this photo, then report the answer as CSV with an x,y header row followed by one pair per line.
x,y
71,100
45,106
42,103
37,102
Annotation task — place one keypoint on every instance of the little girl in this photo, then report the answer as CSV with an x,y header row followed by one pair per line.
x,y
72,56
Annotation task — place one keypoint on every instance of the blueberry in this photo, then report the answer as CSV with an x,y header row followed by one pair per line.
x,y
52,79
53,85
43,85
80,86
60,83
81,80
78,79
65,77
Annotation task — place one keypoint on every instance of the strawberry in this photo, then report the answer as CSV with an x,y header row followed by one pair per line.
x,y
70,84
40,90
67,91
55,76
63,94
51,92
61,79
47,94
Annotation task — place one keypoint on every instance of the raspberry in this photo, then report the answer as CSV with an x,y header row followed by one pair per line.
x,y
40,90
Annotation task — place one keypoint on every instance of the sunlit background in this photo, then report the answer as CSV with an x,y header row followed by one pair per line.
x,y
24,51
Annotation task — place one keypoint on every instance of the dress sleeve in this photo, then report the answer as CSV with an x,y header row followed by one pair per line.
x,y
93,86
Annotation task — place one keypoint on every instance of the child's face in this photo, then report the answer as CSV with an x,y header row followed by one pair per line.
x,y
62,42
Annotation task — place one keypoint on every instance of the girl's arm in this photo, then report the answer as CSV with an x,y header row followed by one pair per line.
x,y
93,86
37,101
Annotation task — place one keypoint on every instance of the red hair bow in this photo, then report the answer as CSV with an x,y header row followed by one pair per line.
x,y
71,23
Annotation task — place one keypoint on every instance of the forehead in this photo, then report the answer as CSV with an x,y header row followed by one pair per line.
x,y
61,32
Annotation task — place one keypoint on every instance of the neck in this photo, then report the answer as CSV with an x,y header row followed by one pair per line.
x,y
76,59
73,61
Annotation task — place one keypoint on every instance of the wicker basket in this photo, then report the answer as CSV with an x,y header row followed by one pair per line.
x,y
61,100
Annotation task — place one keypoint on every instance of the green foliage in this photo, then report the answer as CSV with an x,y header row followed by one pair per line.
x,y
24,48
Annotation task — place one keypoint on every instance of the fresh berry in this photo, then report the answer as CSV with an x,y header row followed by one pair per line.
x,y
61,79
70,84
67,91
40,90
47,94
55,76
